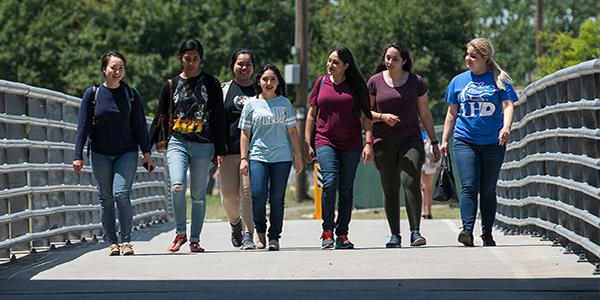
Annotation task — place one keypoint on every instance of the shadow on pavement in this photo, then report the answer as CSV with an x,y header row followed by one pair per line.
x,y
33,264
447,289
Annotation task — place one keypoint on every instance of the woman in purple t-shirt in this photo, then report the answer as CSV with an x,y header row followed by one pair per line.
x,y
398,99
341,99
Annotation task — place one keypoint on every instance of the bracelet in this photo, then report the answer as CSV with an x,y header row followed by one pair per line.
x,y
369,143
435,142
244,158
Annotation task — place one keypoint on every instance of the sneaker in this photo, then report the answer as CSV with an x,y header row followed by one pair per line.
x,y
127,249
327,239
416,239
342,242
466,238
179,240
247,243
195,247
488,239
427,217
113,250
273,245
261,241
236,234
395,241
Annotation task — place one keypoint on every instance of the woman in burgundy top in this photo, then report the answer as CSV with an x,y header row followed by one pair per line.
x,y
341,99
398,99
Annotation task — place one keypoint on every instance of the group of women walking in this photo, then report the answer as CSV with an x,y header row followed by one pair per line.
x,y
247,126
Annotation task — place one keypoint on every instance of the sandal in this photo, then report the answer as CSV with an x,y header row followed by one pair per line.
x,y
179,240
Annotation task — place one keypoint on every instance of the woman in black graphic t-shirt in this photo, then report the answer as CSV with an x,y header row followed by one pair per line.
x,y
197,139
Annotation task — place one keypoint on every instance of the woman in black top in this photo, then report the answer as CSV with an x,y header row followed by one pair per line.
x,y
235,188
112,116
197,138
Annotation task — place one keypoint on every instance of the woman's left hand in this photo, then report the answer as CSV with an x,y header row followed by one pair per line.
x,y
503,136
148,162
220,160
367,153
436,152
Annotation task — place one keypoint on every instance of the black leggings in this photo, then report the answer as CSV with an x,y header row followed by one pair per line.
x,y
400,163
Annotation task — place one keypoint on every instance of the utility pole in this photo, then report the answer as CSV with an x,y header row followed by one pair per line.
x,y
301,57
539,22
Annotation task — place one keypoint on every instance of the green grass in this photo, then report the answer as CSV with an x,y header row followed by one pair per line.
x,y
304,210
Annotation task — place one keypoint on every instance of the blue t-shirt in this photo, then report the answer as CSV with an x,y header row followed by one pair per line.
x,y
269,120
479,100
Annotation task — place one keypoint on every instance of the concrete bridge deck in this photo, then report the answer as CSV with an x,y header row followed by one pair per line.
x,y
520,267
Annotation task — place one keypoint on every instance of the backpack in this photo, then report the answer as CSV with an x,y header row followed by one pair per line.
x,y
129,93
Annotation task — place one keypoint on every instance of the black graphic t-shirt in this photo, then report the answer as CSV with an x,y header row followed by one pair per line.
x,y
235,98
198,114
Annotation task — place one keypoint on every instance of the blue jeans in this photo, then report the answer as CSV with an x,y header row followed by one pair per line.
x,y
338,168
268,180
115,175
181,155
478,170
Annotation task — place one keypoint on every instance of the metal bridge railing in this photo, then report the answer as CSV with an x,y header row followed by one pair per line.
x,y
42,201
550,181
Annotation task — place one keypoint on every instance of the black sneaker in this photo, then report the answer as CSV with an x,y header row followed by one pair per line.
x,y
416,239
236,234
395,241
466,238
488,239
342,242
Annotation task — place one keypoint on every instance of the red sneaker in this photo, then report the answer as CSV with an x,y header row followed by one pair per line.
x,y
327,239
195,247
179,240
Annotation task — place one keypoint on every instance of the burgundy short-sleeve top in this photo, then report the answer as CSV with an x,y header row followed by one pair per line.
x,y
337,126
400,101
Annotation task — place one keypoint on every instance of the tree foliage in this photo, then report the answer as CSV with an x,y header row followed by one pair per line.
x,y
564,50
58,44
510,25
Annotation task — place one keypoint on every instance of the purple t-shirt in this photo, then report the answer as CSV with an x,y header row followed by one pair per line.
x,y
400,101
336,124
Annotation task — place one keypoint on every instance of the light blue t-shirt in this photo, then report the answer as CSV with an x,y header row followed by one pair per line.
x,y
269,121
479,100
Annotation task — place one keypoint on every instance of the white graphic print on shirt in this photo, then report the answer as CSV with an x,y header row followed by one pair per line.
x,y
473,100
269,116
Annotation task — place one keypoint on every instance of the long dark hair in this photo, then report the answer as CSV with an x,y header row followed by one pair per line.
x,y
356,82
280,91
404,53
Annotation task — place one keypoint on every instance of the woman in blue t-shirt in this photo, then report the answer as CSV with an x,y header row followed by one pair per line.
x,y
480,113
268,135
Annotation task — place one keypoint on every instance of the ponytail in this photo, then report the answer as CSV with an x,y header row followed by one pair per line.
x,y
500,76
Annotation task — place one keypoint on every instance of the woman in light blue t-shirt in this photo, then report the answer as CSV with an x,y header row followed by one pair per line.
x,y
268,144
480,113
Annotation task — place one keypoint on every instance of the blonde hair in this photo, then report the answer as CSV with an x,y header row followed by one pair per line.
x,y
484,47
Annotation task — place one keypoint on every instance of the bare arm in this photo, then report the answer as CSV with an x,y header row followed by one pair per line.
x,y
449,126
244,140
508,110
367,153
427,119
311,116
295,139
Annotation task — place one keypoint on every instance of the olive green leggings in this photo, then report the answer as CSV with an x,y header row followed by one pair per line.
x,y
400,163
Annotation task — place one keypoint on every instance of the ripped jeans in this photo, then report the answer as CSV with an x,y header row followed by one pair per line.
x,y
182,154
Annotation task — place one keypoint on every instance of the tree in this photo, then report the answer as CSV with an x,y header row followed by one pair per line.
x,y
510,25
564,50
